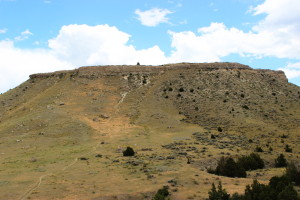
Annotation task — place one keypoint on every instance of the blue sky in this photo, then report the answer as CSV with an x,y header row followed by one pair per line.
x,y
49,35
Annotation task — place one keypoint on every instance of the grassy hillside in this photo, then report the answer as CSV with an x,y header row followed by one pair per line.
x,y
63,133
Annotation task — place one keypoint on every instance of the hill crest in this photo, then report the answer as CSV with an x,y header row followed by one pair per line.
x,y
94,71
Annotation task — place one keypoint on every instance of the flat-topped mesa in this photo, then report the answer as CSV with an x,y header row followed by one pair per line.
x,y
124,69
112,70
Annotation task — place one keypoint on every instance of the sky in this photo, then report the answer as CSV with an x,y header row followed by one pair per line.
x,y
50,35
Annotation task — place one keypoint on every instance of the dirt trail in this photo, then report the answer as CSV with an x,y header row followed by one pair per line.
x,y
41,178
38,184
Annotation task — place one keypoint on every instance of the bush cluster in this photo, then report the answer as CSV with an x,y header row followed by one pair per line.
x,y
293,174
280,161
279,188
218,194
251,162
162,193
228,167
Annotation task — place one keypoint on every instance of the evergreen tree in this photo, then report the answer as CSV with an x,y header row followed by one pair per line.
x,y
257,191
288,193
162,193
293,174
251,162
220,194
228,167
280,161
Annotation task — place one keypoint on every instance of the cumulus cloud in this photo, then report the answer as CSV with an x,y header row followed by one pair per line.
x,y
212,43
17,64
101,44
275,36
281,14
153,17
24,35
74,46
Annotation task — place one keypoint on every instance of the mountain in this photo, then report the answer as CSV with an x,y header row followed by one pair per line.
x,y
63,133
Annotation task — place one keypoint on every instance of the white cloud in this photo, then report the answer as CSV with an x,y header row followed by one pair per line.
x,y
275,36
214,42
2,31
280,13
17,64
24,35
102,44
74,46
292,70
153,17
294,65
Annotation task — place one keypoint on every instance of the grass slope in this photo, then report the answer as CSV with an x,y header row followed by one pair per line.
x,y
62,136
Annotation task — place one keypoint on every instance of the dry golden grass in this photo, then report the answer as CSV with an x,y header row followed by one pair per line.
x,y
51,133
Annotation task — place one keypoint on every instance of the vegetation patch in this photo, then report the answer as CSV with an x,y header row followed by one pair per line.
x,y
227,166
128,152
162,194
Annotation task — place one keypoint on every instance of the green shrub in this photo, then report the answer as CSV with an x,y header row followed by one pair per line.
x,y
245,107
236,196
288,193
257,191
278,182
259,149
279,188
251,162
181,90
293,174
218,194
162,193
128,152
280,161
288,149
228,167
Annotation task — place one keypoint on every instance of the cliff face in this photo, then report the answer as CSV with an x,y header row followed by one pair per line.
x,y
167,113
